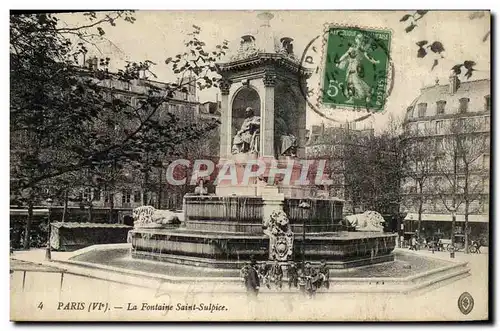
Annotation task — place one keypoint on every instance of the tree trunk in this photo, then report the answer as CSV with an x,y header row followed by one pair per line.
x,y
65,209
160,189
453,221
27,227
466,226
420,205
90,212
419,221
145,189
111,206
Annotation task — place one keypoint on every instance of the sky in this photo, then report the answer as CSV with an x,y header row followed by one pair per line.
x,y
157,35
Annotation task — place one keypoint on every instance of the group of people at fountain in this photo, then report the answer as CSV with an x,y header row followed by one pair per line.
x,y
302,276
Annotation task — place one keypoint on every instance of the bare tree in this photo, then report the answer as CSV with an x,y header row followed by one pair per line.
x,y
463,169
418,167
366,166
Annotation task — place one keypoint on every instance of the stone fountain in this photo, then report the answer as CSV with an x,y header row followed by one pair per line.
x,y
270,216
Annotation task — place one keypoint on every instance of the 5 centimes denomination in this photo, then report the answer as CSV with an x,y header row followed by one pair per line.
x,y
356,67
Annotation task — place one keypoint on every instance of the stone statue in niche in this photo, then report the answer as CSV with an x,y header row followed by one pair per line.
x,y
246,139
286,142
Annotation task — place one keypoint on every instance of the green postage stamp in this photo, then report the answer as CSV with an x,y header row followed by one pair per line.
x,y
356,70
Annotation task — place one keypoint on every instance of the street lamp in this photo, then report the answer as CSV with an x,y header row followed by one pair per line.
x,y
48,253
304,206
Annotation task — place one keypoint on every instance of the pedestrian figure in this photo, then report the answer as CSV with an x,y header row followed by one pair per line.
x,y
324,272
293,275
311,278
265,274
413,245
277,275
252,282
244,271
301,280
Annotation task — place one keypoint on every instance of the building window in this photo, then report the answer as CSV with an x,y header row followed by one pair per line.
x,y
87,194
437,182
422,108
412,190
487,122
435,204
409,111
439,145
485,201
137,196
486,161
460,183
439,126
125,197
464,105
487,103
133,102
97,194
438,163
421,126
440,105
460,162
486,185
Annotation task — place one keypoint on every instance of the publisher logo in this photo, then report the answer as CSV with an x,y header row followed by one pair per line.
x,y
465,303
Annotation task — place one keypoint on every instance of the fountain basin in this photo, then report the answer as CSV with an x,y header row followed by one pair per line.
x,y
114,263
231,250
245,213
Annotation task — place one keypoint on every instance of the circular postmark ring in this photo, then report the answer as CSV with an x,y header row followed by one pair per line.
x,y
317,104
465,303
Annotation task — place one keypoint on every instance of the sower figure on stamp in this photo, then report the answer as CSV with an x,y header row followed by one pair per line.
x,y
356,87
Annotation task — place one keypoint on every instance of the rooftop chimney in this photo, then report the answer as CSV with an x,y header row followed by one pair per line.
x,y
454,83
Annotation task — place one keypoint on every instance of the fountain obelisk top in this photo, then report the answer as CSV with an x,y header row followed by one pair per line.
x,y
265,39
266,18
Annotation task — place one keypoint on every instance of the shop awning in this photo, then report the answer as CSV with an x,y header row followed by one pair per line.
x,y
447,218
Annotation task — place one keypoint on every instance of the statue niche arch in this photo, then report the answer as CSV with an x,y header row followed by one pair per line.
x,y
245,125
286,125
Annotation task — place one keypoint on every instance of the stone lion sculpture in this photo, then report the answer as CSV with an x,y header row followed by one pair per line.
x,y
276,223
277,228
368,221
149,217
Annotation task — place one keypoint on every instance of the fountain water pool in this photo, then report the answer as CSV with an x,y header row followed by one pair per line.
x,y
225,232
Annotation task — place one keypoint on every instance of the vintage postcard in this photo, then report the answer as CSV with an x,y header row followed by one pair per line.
x,y
250,166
